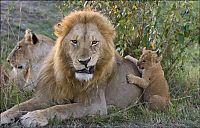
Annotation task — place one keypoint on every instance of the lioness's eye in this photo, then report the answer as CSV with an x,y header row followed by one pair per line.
x,y
95,42
75,42
144,61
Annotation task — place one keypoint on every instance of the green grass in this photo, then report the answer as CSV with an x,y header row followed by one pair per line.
x,y
184,88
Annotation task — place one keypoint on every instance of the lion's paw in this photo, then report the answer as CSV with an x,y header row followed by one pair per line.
x,y
33,119
130,78
7,117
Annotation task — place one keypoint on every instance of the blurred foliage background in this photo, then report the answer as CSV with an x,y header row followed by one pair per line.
x,y
172,25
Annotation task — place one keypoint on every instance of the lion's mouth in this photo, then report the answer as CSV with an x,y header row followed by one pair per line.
x,y
141,67
18,67
87,70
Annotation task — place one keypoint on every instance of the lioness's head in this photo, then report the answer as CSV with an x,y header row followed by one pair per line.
x,y
20,55
148,59
86,42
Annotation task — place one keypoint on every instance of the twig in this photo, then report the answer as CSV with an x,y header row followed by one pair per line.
x,y
181,98
123,110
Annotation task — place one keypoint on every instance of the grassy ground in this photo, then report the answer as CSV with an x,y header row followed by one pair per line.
x,y
185,111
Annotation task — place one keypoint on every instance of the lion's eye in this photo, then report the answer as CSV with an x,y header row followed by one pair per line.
x,y
95,42
144,61
75,42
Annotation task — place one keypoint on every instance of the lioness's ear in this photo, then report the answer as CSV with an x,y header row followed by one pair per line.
x,y
30,37
34,39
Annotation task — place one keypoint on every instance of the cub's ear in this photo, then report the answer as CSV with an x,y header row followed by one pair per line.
x,y
159,58
158,52
30,37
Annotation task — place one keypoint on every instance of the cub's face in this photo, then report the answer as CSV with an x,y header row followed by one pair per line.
x,y
85,46
148,59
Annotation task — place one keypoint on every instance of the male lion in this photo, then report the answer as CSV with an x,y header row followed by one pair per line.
x,y
83,67
156,90
27,57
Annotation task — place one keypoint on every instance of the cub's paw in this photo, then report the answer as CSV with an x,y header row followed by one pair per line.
x,y
7,117
130,78
34,119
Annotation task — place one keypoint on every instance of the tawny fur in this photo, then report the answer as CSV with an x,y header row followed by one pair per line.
x,y
57,81
156,90
31,57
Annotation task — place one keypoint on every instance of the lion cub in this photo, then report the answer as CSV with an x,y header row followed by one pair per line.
x,y
156,90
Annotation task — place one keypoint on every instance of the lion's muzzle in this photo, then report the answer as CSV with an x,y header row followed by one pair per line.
x,y
88,70
85,74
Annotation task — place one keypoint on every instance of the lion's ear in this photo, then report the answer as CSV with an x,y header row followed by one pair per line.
x,y
30,37
58,29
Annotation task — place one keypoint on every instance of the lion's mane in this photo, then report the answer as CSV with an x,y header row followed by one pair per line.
x,y
56,79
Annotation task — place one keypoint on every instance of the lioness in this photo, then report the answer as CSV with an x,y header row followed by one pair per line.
x,y
156,90
84,67
27,57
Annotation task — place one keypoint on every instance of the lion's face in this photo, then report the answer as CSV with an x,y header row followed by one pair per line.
x,y
18,57
21,54
85,43
84,49
148,59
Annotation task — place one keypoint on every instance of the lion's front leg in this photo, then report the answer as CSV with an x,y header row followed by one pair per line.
x,y
76,110
41,117
11,114
137,80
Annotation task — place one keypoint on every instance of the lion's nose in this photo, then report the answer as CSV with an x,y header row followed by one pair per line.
x,y
84,62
